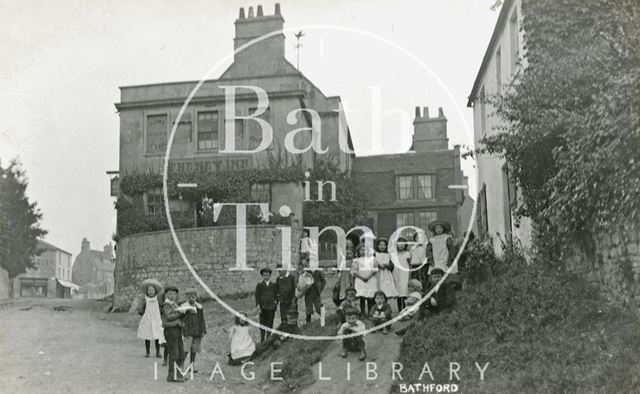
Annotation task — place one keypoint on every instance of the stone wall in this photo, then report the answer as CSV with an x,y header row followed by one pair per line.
x,y
613,265
211,251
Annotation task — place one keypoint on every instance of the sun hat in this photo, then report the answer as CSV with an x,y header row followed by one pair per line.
x,y
151,282
445,225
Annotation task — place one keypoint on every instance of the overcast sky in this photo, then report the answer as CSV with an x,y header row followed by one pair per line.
x,y
63,61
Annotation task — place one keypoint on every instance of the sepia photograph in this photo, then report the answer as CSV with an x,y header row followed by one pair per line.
x,y
356,196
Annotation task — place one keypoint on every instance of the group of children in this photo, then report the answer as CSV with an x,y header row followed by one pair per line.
x,y
179,328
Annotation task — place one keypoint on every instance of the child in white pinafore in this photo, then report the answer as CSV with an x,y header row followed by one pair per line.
x,y
384,277
242,346
401,271
363,270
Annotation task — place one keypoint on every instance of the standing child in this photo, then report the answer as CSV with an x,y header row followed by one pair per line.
x,y
345,280
401,271
351,326
305,245
194,326
381,311
441,249
267,301
419,266
312,297
286,292
384,277
173,324
150,327
288,326
363,270
240,341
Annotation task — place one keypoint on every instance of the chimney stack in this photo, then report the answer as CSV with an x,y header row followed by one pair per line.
x,y
85,245
241,13
259,13
250,12
277,9
107,251
430,134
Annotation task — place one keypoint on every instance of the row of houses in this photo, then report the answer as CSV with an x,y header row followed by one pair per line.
x,y
55,275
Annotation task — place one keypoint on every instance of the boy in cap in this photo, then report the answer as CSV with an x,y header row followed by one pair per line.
x,y
266,300
194,326
172,323
286,292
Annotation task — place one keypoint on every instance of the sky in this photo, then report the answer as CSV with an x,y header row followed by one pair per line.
x,y
63,62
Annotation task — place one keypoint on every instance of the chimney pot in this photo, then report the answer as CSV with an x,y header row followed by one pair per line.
x,y
425,112
440,112
277,8
260,13
250,12
241,13
418,113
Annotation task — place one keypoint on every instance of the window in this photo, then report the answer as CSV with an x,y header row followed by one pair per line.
x,y
425,187
483,113
415,187
254,130
483,224
183,131
498,72
207,130
514,40
154,203
178,206
426,217
405,188
261,192
156,140
404,219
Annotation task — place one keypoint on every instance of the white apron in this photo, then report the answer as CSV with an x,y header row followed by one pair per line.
x,y
384,277
150,326
241,343
441,253
401,273
364,266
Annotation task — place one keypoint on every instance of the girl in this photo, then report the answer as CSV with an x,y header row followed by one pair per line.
x,y
381,311
345,281
419,267
363,270
440,250
384,277
401,271
150,327
241,343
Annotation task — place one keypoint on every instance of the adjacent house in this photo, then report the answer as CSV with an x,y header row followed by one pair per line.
x,y
51,276
498,193
93,271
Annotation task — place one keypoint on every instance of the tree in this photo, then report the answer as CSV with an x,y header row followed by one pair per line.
x,y
572,133
19,221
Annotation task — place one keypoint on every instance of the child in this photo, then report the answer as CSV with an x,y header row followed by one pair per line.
x,y
266,300
443,298
363,270
172,323
345,280
305,245
288,326
384,277
440,249
415,294
381,312
241,343
285,292
150,327
352,325
194,326
312,297
401,271
349,302
419,267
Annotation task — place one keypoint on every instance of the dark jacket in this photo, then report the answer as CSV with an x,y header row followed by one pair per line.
x,y
318,284
445,299
194,325
171,317
286,287
266,296
376,311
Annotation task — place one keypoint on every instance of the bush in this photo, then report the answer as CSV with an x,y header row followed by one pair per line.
x,y
541,329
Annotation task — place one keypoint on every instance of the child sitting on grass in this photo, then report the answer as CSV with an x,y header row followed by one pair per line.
x,y
441,299
289,326
351,326
381,311
241,343
349,302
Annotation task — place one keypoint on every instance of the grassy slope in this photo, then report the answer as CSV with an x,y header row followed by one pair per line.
x,y
540,330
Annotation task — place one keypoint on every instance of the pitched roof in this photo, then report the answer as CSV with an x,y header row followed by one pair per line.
x,y
411,162
43,245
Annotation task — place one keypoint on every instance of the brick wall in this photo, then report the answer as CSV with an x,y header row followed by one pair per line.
x,y
211,251
614,265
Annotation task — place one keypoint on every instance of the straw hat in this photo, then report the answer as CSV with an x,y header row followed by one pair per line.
x,y
151,282
445,225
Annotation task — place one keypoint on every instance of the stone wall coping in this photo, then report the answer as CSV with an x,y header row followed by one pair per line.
x,y
199,229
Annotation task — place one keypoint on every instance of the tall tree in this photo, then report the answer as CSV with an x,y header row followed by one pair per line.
x,y
19,221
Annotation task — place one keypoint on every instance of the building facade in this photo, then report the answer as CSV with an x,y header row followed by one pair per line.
x,y
93,271
413,189
498,196
51,276
147,114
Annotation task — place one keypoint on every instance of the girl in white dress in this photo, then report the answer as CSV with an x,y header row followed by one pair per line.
x,y
400,260
242,346
150,327
363,270
384,277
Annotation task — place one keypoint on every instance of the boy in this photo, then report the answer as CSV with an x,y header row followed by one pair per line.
x,y
442,298
352,325
285,292
194,326
312,297
172,323
349,302
267,302
288,326
381,311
